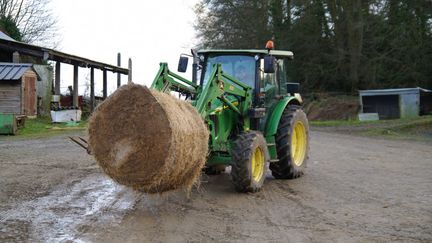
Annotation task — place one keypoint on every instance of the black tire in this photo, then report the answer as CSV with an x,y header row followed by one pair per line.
x,y
285,168
246,146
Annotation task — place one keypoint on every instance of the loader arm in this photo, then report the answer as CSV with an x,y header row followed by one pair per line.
x,y
166,80
219,86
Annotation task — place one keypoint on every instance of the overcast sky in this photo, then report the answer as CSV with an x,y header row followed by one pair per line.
x,y
149,32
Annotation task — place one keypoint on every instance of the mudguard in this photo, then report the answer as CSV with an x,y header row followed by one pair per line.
x,y
273,120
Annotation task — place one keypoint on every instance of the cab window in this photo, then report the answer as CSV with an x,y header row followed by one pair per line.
x,y
281,73
240,67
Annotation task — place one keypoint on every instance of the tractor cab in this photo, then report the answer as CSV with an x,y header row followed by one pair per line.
x,y
265,71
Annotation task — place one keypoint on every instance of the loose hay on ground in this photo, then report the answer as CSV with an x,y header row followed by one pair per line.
x,y
148,140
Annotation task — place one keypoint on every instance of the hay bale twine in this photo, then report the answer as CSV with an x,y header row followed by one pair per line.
x,y
148,140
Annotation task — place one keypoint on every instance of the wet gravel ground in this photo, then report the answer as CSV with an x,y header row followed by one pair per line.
x,y
356,189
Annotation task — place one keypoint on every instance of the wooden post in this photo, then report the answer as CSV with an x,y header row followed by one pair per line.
x,y
16,57
119,65
92,90
105,91
130,71
57,79
75,86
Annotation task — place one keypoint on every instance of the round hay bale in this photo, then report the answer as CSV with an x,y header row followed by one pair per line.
x,y
148,140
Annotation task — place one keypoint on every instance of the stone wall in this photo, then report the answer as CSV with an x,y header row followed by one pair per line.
x,y
44,88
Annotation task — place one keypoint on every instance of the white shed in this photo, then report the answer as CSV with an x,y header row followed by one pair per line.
x,y
396,103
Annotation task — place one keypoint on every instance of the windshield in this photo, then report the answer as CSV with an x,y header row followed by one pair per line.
x,y
240,67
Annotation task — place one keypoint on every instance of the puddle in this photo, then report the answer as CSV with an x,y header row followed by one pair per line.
x,y
69,211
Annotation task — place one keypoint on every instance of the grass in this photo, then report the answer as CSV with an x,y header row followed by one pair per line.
x,y
405,128
395,122
411,128
43,127
338,123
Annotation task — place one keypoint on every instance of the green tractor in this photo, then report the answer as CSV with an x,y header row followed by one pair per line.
x,y
253,113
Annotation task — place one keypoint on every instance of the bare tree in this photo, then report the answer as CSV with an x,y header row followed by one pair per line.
x,y
33,18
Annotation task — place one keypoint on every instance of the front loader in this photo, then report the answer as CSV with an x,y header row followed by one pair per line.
x,y
252,112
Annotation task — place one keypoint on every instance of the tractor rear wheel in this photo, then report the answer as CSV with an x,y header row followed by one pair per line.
x,y
250,156
292,144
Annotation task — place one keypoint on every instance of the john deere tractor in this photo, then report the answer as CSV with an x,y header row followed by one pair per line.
x,y
253,113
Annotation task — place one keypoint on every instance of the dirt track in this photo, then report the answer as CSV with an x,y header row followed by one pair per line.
x,y
355,189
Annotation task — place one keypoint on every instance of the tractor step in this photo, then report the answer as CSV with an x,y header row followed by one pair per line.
x,y
274,160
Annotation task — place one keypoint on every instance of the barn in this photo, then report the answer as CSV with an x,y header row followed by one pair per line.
x,y
18,84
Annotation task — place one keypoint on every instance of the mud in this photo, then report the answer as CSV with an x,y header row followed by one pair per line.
x,y
355,189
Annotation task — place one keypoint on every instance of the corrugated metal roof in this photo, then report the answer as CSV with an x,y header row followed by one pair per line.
x,y
13,71
373,92
53,55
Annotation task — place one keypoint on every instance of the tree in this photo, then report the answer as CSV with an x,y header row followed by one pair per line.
x,y
408,42
8,26
35,22
339,45
232,23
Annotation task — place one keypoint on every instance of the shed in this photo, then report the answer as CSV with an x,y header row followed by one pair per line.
x,y
396,103
18,89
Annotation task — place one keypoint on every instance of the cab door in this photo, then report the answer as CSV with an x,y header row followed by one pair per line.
x,y
268,84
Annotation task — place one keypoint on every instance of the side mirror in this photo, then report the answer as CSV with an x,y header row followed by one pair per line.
x,y
269,64
182,65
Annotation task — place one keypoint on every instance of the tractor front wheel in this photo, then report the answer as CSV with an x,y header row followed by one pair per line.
x,y
250,156
292,144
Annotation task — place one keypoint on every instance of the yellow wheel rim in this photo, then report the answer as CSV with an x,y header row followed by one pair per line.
x,y
258,164
298,143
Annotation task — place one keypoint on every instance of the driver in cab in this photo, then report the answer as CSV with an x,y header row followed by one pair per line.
x,y
244,76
